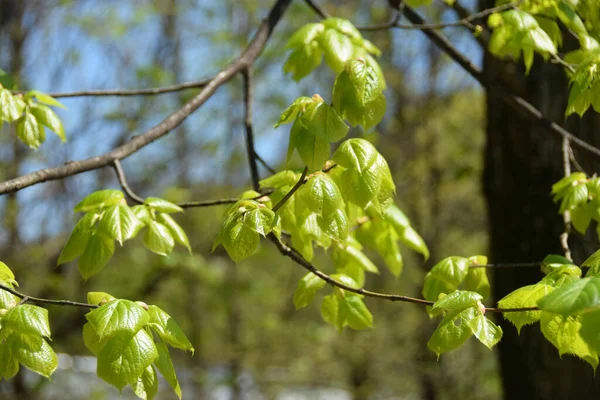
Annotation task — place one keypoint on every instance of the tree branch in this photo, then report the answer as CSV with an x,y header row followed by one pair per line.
x,y
564,237
298,259
131,92
245,60
123,182
292,190
247,75
39,300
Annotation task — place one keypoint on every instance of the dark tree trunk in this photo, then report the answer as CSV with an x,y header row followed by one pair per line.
x,y
522,161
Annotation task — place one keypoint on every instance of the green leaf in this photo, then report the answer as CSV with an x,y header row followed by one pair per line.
x,y
445,277
92,340
453,330
118,316
162,206
78,240
176,231
593,262
119,223
456,301
485,331
581,295
159,239
526,296
307,289
97,254
330,310
239,239
9,366
168,330
166,368
589,331
323,121
11,107
313,150
380,236
30,131
142,213
99,297
357,95
5,273
44,98
337,48
477,281
146,386
7,80
357,154
563,332
303,60
27,319
343,26
280,179
562,275
47,117
34,353
125,357
100,199
355,313
305,35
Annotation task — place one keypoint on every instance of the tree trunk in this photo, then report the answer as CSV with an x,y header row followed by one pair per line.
x,y
522,161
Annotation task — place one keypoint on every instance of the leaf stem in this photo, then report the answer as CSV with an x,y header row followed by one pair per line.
x,y
292,190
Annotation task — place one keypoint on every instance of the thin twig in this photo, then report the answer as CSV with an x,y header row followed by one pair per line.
x,y
218,202
292,190
247,75
509,265
265,164
298,259
564,237
45,301
123,182
252,51
575,162
320,12
133,92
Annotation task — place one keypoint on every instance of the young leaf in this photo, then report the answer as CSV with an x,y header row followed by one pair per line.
x,y
526,296
303,60
100,199
11,107
589,331
78,239
355,313
119,223
305,35
571,298
477,281
337,47
307,289
166,368
99,298
313,150
118,316
563,332
34,353
358,96
146,385
9,366
27,319
445,277
44,98
125,357
47,117
453,330
456,301
97,254
485,331
159,239
323,121
30,131
142,213
176,231
593,262
330,311
168,330
162,206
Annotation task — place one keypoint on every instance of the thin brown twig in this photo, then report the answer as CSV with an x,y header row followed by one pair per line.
x,y
247,75
292,190
298,259
124,185
218,202
131,92
39,300
564,237
265,164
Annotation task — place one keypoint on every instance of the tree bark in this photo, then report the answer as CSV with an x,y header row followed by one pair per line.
x,y
522,161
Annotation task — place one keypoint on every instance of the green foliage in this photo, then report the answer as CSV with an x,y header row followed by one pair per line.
x,y
108,218
358,94
245,222
585,86
31,113
342,308
574,297
526,296
121,334
336,39
307,289
445,277
463,316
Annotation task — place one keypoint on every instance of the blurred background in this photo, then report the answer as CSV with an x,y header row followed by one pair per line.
x,y
250,342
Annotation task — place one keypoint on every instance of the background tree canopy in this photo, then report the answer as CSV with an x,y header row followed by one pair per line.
x,y
279,177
